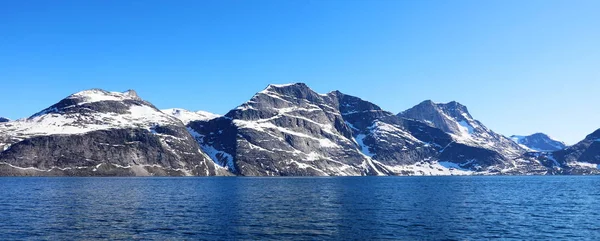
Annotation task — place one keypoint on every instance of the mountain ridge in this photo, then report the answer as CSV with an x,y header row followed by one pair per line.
x,y
282,130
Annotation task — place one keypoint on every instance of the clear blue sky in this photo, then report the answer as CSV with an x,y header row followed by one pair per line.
x,y
520,66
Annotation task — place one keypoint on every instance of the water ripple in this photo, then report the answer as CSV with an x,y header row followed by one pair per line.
x,y
365,208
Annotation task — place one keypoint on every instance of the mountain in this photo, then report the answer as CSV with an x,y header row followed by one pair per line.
x,y
581,158
187,116
482,146
2,119
292,130
408,147
455,119
284,130
539,142
101,133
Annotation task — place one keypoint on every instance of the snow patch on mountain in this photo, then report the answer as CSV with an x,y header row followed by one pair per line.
x,y
380,128
266,126
363,148
583,165
467,128
431,168
282,85
187,116
97,95
63,124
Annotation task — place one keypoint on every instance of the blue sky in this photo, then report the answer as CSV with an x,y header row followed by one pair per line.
x,y
519,66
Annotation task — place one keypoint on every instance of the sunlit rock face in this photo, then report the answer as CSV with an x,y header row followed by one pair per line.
x,y
101,133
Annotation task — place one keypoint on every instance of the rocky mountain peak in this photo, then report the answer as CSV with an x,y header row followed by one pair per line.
x,y
131,93
2,119
455,119
288,86
538,142
452,109
427,103
451,117
97,95
295,90
96,100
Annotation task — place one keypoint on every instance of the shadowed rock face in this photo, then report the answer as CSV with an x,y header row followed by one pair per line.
x,y
100,133
539,142
2,119
582,157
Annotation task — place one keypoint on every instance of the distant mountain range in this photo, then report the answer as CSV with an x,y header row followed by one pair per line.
x,y
283,130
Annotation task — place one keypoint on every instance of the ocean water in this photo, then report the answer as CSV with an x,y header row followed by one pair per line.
x,y
339,208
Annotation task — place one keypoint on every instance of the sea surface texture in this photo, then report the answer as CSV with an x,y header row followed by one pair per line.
x,y
339,208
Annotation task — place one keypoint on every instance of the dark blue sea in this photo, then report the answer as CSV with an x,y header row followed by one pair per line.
x,y
340,208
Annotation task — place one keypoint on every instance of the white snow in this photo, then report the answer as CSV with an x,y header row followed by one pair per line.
x,y
96,95
139,116
370,163
466,127
583,165
265,126
433,168
363,148
221,158
313,156
381,128
282,85
187,116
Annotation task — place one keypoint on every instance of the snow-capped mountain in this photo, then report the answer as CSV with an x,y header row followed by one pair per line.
x,y
285,130
292,130
96,132
455,119
539,142
2,119
187,116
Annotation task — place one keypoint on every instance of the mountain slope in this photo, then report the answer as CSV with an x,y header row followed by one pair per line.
x,y
455,119
581,158
404,147
285,130
96,132
473,142
539,142
2,119
292,130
